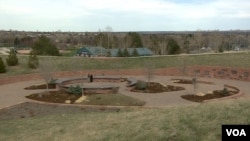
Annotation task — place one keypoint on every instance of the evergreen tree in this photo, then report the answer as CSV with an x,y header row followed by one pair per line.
x,y
2,66
45,47
108,53
135,39
135,53
33,61
173,47
16,42
120,53
12,58
126,53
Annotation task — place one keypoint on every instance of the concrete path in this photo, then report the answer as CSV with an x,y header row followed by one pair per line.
x,y
12,94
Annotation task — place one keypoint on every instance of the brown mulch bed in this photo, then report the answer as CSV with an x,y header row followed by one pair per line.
x,y
54,97
216,94
154,87
188,81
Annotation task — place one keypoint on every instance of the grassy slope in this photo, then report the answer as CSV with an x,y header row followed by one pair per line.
x,y
192,123
74,63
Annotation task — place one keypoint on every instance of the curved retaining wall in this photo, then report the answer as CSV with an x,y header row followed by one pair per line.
x,y
239,94
93,90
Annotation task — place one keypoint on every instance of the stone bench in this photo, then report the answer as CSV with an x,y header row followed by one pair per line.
x,y
131,82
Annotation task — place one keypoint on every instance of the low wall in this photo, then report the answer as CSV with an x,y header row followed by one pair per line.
x,y
93,90
242,74
238,94
201,71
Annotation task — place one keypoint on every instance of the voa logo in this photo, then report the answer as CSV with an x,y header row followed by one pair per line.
x,y
236,132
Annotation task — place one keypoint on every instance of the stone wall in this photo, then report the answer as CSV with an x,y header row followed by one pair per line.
x,y
201,71
221,72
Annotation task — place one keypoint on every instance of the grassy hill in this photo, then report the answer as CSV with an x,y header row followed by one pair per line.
x,y
78,63
192,123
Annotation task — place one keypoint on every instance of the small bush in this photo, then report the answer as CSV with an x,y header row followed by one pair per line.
x,y
52,81
33,62
2,66
141,85
77,90
225,92
12,59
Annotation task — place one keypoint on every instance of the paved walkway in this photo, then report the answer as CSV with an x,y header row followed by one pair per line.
x,y
12,94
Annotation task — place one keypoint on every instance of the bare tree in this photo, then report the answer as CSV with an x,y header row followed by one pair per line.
x,y
163,47
149,69
183,65
46,68
109,30
75,66
194,81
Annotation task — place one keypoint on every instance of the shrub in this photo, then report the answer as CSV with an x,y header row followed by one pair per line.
x,y
126,53
141,85
12,58
2,66
33,62
52,81
77,90
44,46
135,53
225,92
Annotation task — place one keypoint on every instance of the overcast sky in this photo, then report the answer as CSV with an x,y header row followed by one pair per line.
x,y
124,15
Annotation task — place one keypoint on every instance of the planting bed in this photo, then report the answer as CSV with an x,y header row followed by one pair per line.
x,y
154,87
214,95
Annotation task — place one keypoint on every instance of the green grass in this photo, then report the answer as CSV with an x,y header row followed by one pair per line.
x,y
113,100
191,123
78,63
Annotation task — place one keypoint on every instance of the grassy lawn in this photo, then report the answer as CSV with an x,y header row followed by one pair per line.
x,y
113,99
190,123
69,63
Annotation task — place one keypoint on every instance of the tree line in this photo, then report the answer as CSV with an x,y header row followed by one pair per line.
x,y
159,43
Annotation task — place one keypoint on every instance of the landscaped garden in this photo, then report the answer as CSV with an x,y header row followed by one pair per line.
x,y
56,122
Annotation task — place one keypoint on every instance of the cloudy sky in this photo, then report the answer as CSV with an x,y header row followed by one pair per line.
x,y
124,15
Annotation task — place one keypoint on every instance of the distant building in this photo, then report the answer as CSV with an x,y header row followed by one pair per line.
x,y
100,51
92,52
141,51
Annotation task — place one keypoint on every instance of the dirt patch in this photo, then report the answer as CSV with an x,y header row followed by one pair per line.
x,y
216,94
154,87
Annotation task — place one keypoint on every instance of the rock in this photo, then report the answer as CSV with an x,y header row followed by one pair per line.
x,y
209,92
67,101
200,94
175,81
163,84
81,99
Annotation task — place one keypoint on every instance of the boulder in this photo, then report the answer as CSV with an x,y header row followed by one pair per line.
x,y
81,99
200,94
67,101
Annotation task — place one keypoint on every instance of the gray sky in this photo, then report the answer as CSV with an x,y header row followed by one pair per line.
x,y
124,15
